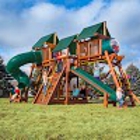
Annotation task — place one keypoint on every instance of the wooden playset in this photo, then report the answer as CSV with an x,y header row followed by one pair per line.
x,y
93,44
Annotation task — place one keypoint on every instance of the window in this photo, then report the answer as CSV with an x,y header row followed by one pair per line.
x,y
94,48
83,49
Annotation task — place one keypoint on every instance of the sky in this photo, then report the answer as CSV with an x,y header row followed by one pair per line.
x,y
23,22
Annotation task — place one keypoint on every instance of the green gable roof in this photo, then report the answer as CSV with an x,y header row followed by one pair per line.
x,y
48,38
66,43
90,31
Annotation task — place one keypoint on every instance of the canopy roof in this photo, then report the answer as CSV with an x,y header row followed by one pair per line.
x,y
51,38
92,30
66,43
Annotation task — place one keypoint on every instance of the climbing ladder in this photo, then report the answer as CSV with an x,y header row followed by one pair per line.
x,y
46,98
39,95
117,80
126,85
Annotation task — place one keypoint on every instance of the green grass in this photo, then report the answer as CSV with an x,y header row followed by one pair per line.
x,y
73,122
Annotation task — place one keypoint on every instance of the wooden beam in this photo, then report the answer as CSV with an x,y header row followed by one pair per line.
x,y
106,74
104,28
119,58
91,57
67,87
134,96
89,50
78,53
67,77
100,36
44,50
100,47
112,70
54,38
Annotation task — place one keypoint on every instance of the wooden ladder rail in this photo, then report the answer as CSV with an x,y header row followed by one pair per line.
x,y
49,95
40,76
38,94
41,87
112,70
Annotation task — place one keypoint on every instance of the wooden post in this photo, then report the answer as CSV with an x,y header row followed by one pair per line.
x,y
44,50
100,47
54,39
78,54
27,89
89,49
67,78
77,81
58,93
67,87
50,55
105,100
104,28
112,70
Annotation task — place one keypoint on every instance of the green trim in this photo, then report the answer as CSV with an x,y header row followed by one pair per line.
x,y
48,38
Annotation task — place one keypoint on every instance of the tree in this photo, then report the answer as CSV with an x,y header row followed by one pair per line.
x,y
134,76
5,79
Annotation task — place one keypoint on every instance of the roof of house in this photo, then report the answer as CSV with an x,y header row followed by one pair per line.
x,y
66,43
89,32
51,38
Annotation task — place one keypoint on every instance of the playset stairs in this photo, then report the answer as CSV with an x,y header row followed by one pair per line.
x,y
42,98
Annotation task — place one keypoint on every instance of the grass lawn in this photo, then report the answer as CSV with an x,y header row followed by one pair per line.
x,y
73,122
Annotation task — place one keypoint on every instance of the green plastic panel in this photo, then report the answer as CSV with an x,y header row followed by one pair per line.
x,y
66,43
95,83
17,61
106,46
47,38
90,31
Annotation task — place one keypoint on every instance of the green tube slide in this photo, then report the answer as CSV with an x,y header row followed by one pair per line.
x,y
14,64
110,45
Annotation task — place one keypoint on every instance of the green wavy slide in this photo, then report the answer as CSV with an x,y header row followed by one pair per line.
x,y
14,64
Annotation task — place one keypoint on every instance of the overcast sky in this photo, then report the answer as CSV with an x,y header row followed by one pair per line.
x,y
23,23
